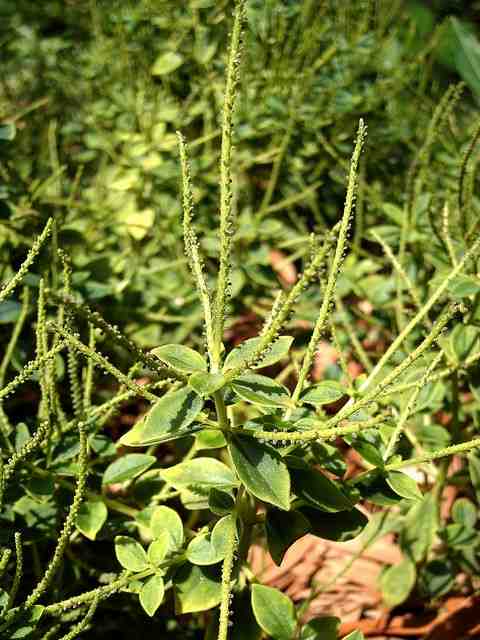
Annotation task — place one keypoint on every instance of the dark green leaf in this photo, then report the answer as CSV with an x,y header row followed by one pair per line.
x,y
274,612
341,526
324,628
318,490
262,470
282,530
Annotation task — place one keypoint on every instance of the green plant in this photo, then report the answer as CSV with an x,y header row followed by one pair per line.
x,y
258,452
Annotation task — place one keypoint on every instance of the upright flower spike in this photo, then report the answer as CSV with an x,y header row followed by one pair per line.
x,y
227,222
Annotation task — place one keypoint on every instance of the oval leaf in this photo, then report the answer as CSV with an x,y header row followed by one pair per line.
x,y
180,357
200,474
127,467
159,548
274,612
323,393
262,470
151,594
397,582
196,589
238,356
205,384
91,517
318,490
164,519
403,485
130,554
166,63
261,390
166,419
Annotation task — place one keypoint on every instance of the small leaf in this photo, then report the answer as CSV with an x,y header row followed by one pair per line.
x,y
282,530
200,474
130,554
151,594
262,470
464,512
474,471
205,384
261,390
166,419
397,582
24,622
166,63
180,357
220,502
274,612
91,518
437,577
127,467
7,131
167,519
210,439
355,635
238,356
403,485
159,548
206,549
323,393
420,527
196,589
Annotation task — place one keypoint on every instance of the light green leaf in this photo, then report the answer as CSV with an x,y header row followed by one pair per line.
x,y
167,519
210,439
196,589
238,356
206,549
91,518
262,470
403,485
205,384
355,635
200,474
151,594
461,49
7,131
130,553
166,63
397,581
127,467
420,527
274,612
261,390
180,357
159,548
464,342
169,418
323,393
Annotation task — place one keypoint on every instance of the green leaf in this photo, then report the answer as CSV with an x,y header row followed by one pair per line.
x,y
180,358
205,384
323,393
461,50
130,554
166,63
324,628
169,418
7,131
403,485
26,622
210,439
474,471
397,581
464,341
458,535
200,474
355,635
420,527
341,526
91,517
165,519
238,356
318,490
437,577
151,594
369,445
262,470
274,612
206,549
464,512
282,530
159,548
220,502
196,589
261,390
127,467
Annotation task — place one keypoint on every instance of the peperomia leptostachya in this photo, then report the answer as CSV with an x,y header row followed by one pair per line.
x,y
256,459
